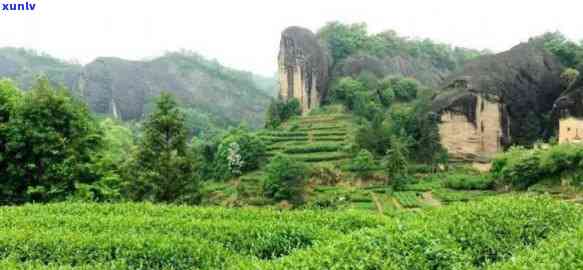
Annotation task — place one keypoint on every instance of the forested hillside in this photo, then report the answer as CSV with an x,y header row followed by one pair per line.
x,y
354,50
212,95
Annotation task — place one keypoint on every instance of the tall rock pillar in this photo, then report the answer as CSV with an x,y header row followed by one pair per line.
x,y
302,68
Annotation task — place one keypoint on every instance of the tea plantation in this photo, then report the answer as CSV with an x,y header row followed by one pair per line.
x,y
505,232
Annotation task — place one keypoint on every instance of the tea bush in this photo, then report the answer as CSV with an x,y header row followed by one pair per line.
x,y
564,251
522,167
468,182
146,236
463,236
509,232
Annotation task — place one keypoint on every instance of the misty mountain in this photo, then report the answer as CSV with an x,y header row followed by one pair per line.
x,y
126,89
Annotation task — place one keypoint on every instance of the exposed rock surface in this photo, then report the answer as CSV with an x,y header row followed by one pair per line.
x,y
498,100
568,112
130,87
570,104
303,65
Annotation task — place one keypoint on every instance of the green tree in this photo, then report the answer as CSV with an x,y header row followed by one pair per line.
x,y
568,52
345,89
386,96
108,163
342,39
51,141
9,99
569,77
273,115
405,89
374,136
396,161
163,169
285,179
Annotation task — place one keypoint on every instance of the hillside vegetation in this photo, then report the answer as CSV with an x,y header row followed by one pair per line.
x,y
361,182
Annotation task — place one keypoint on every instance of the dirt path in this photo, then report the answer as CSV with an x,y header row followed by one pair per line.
x,y
378,203
396,203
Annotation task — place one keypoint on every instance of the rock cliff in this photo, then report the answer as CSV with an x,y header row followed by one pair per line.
x,y
302,67
498,100
568,113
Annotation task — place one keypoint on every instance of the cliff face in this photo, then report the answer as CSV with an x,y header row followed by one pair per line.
x,y
115,87
302,67
499,99
568,112
126,89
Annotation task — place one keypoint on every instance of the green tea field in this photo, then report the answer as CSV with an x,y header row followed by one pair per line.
x,y
507,232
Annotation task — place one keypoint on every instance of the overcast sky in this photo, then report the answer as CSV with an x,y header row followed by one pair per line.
x,y
245,33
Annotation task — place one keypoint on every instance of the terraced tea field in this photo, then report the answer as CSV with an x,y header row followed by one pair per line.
x,y
508,232
312,139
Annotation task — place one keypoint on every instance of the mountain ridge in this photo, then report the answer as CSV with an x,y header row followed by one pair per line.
x,y
124,88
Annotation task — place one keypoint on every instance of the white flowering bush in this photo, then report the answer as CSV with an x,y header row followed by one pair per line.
x,y
235,160
239,151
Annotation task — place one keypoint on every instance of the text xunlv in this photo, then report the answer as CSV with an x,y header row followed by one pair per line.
x,y
18,6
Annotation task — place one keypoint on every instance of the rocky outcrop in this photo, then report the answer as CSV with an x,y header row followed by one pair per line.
x,y
128,88
115,87
421,69
498,100
302,67
568,113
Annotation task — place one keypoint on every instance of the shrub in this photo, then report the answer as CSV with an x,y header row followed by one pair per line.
x,y
280,111
239,151
363,164
468,182
522,167
284,180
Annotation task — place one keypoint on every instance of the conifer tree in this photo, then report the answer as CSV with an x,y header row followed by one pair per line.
x,y
163,169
